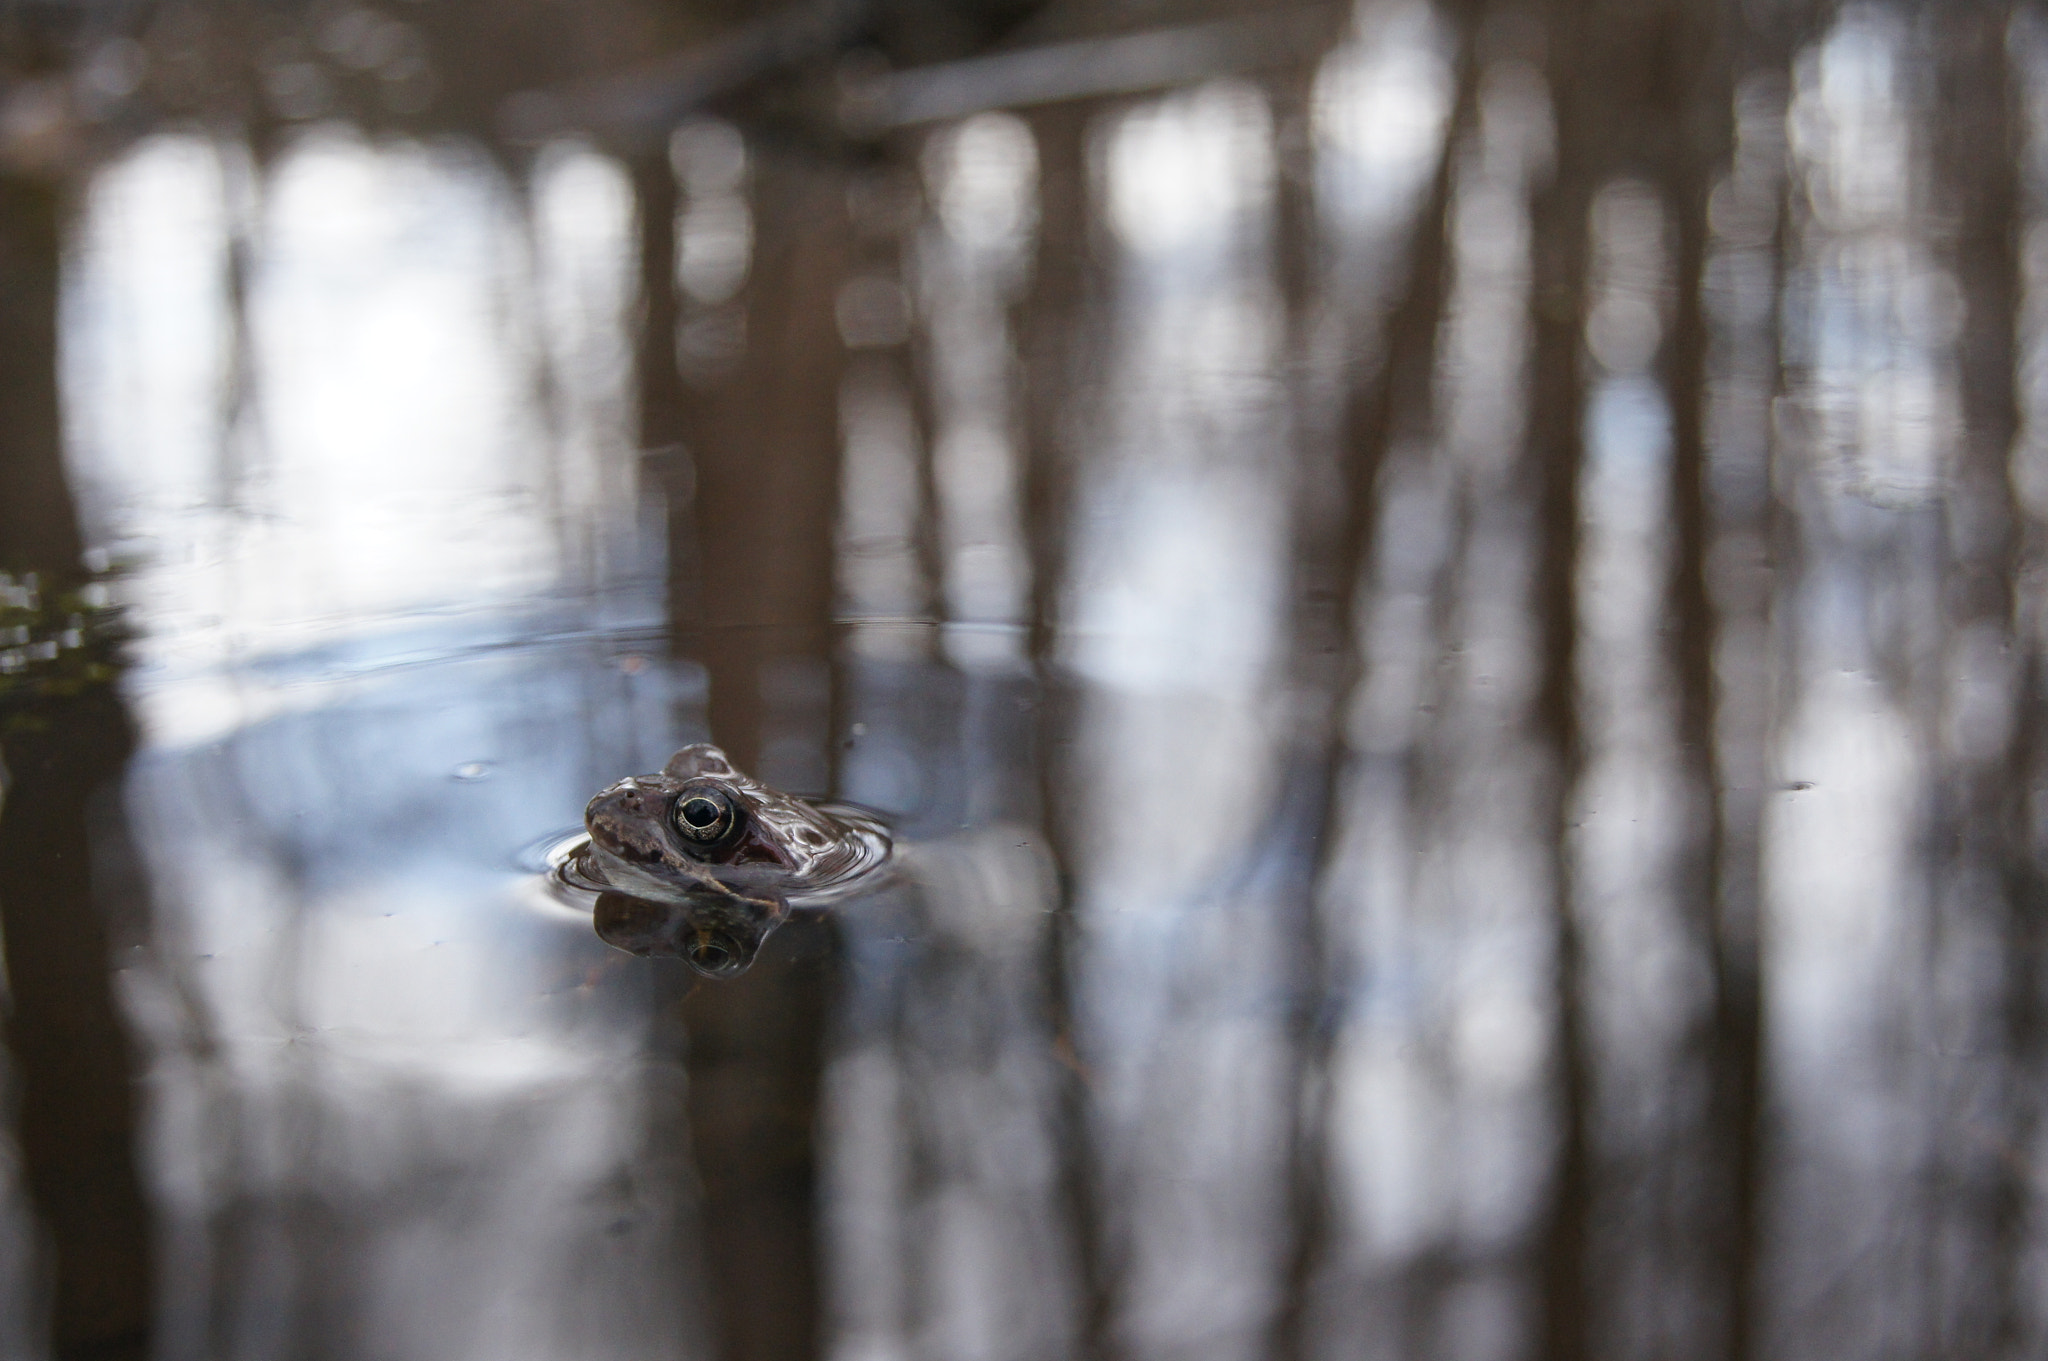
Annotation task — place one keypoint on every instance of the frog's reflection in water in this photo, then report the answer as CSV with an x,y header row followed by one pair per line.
x,y
715,934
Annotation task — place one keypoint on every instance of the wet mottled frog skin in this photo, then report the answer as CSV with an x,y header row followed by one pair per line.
x,y
703,862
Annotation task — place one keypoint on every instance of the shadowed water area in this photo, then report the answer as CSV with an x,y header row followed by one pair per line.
x,y
1377,679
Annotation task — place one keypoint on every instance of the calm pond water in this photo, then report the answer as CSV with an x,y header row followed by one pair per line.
x,y
1442,606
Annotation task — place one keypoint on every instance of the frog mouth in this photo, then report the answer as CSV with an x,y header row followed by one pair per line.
x,y
609,841
639,860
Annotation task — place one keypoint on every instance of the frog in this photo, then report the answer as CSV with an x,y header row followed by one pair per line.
x,y
703,862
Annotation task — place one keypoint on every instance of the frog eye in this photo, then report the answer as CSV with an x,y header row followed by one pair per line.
x,y
706,815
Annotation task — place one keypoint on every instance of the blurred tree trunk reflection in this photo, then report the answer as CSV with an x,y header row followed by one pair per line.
x,y
38,524
1056,348
66,872
1707,1196
752,593
1984,850
1584,111
1337,508
752,496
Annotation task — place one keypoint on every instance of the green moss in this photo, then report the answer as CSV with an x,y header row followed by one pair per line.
x,y
57,640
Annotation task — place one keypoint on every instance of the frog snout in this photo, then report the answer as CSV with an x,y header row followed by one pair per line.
x,y
616,813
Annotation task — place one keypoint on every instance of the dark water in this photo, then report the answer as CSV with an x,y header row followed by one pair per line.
x,y
1444,604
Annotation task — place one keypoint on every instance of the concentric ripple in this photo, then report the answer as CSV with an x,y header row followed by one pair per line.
x,y
573,878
